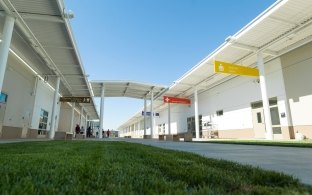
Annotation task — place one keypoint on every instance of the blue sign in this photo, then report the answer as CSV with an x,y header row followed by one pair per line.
x,y
3,97
149,113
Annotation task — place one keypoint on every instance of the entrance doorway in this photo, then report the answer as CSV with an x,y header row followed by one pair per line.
x,y
191,126
259,120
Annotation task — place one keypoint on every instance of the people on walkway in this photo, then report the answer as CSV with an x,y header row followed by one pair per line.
x,y
89,131
107,133
82,130
77,129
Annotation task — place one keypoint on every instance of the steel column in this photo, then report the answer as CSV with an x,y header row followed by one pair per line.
x,y
102,112
144,116
152,113
54,116
169,120
5,46
72,119
265,100
196,113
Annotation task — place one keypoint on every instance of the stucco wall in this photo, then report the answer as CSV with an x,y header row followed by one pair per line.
x,y
18,85
297,69
234,98
44,100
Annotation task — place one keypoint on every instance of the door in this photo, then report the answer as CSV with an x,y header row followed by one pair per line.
x,y
191,126
276,124
258,122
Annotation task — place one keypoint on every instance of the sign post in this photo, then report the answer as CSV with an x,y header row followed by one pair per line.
x,y
224,67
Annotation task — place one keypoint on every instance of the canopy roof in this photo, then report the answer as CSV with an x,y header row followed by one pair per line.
x,y
42,30
130,89
283,27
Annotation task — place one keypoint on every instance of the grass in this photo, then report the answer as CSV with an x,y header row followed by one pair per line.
x,y
301,144
89,167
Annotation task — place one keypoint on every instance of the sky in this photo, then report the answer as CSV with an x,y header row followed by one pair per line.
x,y
151,41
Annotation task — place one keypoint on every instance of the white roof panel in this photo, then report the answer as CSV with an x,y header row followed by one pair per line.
x,y
131,89
43,26
282,27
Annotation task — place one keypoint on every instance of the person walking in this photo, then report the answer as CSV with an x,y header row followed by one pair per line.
x,y
107,132
77,129
82,130
89,131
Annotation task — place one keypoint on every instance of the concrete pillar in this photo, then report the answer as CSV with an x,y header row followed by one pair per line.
x,y
265,99
152,113
72,118
144,117
81,115
169,120
196,113
5,45
139,128
86,127
54,115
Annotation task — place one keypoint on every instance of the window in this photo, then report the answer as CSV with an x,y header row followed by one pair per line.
x,y
275,116
43,122
258,104
275,120
259,118
164,128
219,112
277,130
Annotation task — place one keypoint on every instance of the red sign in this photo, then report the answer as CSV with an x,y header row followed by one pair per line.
x,y
168,99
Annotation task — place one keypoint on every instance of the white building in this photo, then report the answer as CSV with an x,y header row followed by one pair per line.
x,y
276,105
40,62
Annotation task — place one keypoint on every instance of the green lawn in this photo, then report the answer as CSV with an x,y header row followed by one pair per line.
x,y
294,143
90,167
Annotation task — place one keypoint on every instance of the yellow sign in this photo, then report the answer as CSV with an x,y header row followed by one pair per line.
x,y
228,68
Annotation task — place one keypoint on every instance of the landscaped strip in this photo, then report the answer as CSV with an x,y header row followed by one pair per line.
x,y
300,144
90,167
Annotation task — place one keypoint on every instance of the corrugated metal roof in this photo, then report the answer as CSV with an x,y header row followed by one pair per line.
x,y
269,32
42,7
45,28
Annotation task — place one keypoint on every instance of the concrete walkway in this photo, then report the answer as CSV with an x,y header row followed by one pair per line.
x,y
6,141
289,160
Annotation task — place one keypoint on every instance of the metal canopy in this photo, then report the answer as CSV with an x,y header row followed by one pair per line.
x,y
43,26
284,26
130,89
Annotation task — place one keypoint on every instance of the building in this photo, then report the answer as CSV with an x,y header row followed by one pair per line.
x,y
275,105
39,63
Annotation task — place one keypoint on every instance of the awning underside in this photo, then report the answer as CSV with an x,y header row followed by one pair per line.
x,y
126,89
43,26
281,28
